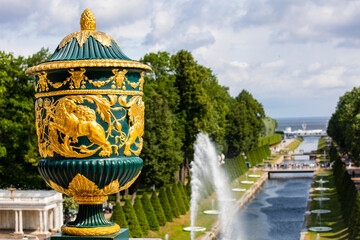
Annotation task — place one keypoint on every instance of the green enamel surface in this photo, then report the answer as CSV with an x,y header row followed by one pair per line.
x,y
90,216
91,49
100,171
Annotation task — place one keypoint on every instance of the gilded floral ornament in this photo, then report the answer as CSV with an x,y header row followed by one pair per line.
x,y
78,79
87,192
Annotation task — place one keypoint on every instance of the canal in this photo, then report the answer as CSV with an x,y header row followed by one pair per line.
x,y
277,211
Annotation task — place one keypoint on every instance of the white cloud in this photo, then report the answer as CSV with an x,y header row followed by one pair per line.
x,y
280,51
328,78
274,64
239,64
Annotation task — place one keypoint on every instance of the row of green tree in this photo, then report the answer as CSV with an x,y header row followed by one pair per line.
x,y
344,124
234,167
348,195
151,213
258,155
273,139
181,97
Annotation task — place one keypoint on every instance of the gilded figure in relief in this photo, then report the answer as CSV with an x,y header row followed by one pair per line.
x,y
77,120
60,123
136,122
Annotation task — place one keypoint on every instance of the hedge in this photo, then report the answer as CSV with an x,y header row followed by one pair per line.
x,y
235,167
179,199
134,226
149,212
118,216
184,196
165,204
172,201
270,140
159,212
140,214
348,195
257,155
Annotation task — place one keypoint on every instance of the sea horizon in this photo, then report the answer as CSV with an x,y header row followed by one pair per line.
x,y
305,118
297,123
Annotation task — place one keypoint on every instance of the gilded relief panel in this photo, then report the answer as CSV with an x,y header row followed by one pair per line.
x,y
89,125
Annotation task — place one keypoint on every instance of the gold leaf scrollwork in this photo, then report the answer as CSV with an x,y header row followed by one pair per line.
x,y
87,63
86,191
43,82
136,122
60,123
95,231
118,78
141,81
77,78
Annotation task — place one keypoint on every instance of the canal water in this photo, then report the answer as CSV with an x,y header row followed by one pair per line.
x,y
277,211
309,144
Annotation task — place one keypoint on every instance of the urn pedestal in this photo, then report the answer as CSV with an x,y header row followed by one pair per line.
x,y
90,123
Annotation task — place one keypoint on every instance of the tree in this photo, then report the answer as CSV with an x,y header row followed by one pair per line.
x,y
269,126
179,199
161,153
165,204
184,196
194,109
149,212
18,141
69,204
245,124
160,215
139,210
118,216
344,125
172,202
134,226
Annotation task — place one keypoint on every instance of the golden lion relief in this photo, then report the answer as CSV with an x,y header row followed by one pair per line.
x,y
77,120
61,123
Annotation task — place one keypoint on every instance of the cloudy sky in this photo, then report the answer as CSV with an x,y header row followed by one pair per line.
x,y
297,57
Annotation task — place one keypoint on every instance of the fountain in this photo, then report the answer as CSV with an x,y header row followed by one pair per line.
x,y
254,175
247,181
238,190
212,211
320,211
205,169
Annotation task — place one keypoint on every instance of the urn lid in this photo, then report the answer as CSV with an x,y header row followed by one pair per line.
x,y
87,48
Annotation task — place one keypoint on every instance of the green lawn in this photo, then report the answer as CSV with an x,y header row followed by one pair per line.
x,y
333,219
295,144
322,144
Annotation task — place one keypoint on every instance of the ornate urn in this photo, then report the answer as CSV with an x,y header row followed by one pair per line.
x,y
89,123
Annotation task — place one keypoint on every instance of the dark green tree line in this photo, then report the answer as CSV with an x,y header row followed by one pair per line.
x,y
344,124
18,140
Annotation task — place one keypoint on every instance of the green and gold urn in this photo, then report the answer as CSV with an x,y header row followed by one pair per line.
x,y
89,123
